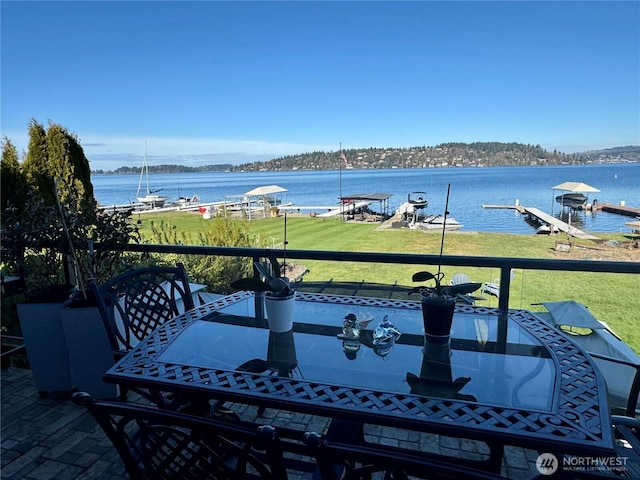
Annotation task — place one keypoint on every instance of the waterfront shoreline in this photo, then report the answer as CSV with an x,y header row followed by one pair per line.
x,y
470,189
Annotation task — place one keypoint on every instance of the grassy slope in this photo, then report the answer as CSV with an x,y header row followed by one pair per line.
x,y
612,298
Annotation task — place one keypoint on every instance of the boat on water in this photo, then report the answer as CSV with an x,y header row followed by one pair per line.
x,y
150,197
184,201
413,216
572,200
412,209
418,200
436,222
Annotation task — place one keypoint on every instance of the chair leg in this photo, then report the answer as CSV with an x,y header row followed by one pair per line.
x,y
496,454
122,394
217,408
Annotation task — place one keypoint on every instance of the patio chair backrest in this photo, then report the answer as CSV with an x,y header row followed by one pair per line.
x,y
460,278
623,383
157,444
341,459
135,303
627,434
160,444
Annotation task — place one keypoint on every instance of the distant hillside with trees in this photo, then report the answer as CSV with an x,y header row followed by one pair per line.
x,y
455,154
612,155
223,167
477,154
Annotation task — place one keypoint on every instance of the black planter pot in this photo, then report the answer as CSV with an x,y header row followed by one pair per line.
x,y
89,350
50,294
79,299
44,338
437,315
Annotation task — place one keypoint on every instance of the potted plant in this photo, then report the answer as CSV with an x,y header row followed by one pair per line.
x,y
88,346
46,224
37,244
279,295
438,303
53,250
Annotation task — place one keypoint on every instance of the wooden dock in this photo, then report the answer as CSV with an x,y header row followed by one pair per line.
x,y
346,209
559,225
513,207
619,209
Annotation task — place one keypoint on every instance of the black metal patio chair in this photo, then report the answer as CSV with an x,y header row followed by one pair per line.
x,y
343,452
627,434
135,303
623,465
157,444
338,457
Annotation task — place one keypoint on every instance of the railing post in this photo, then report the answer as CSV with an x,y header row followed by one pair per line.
x,y
505,288
258,296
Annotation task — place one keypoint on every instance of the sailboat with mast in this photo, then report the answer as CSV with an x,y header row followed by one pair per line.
x,y
151,197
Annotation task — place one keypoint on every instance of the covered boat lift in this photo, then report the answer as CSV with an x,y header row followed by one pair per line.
x,y
382,198
573,187
265,190
262,193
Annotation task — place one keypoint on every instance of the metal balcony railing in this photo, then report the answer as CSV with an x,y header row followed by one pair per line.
x,y
505,265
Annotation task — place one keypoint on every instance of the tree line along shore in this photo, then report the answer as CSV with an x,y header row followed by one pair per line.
x,y
478,154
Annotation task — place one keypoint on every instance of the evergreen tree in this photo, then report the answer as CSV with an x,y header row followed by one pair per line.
x,y
13,185
42,231
35,167
68,168
81,169
55,159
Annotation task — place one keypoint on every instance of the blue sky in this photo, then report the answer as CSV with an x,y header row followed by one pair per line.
x,y
216,82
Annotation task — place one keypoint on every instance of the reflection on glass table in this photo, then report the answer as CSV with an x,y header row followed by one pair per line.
x,y
232,338
504,375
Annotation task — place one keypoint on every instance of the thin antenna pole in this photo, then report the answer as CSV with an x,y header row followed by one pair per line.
x,y
284,255
340,166
444,226
146,165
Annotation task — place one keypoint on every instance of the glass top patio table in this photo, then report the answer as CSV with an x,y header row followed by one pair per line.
x,y
504,374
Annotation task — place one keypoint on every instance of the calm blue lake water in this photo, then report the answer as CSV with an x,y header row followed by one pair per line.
x,y
470,189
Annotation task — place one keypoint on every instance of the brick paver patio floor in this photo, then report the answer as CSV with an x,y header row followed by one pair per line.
x,y
52,438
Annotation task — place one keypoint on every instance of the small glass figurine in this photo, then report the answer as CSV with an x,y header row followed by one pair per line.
x,y
385,334
351,326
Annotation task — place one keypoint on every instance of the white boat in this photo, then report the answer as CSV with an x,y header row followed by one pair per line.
x,y
184,201
418,201
435,222
151,197
412,209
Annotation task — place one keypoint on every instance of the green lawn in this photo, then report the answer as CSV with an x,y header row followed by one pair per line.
x,y
612,298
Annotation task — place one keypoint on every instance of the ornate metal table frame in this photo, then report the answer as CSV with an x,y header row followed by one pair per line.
x,y
578,422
